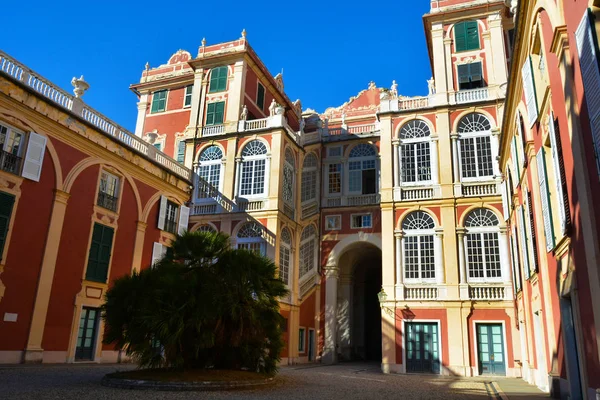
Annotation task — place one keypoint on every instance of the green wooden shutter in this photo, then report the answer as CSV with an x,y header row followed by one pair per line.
x,y
515,158
260,96
99,257
529,91
219,112
524,247
218,80
533,232
222,79
159,101
475,72
460,36
471,35
6,205
210,114
559,175
545,197
587,47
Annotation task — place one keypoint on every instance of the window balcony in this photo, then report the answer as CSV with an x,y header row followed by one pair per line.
x,y
410,193
213,130
244,205
348,132
471,95
352,200
480,189
107,201
421,292
490,292
10,162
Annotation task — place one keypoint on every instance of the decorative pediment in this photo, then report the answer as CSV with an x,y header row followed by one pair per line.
x,y
180,56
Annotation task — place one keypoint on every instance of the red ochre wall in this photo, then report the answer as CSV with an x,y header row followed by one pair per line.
x,y
23,260
307,312
71,260
152,235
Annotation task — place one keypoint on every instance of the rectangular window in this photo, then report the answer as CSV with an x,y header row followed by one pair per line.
x,y
333,222
476,157
215,113
470,76
559,174
361,221
218,80
309,185
11,143
108,193
529,91
99,257
260,96
335,178
466,36
86,336
301,339
181,151
159,101
524,245
187,100
6,206
545,197
171,217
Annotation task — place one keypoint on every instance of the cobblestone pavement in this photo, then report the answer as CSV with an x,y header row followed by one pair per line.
x,y
311,382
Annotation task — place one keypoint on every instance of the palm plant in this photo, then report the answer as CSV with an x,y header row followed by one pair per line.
x,y
204,305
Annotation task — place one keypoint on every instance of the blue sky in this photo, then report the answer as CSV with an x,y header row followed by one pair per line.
x,y
328,51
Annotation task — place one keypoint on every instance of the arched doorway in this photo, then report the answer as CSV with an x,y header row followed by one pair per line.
x,y
352,312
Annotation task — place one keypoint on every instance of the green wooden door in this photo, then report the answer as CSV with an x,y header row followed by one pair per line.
x,y
86,337
490,349
422,347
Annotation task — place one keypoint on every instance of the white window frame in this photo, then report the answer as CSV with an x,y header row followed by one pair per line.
x,y
362,161
341,178
210,164
363,226
301,340
314,173
414,142
106,189
178,143
304,258
247,242
474,135
337,225
480,231
286,247
252,160
419,233
187,96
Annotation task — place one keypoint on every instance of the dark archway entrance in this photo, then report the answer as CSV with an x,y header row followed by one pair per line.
x,y
359,314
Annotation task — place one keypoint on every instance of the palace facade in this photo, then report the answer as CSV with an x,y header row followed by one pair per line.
x,y
409,230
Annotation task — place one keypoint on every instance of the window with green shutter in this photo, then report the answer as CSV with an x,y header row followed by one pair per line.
x,y
466,36
215,113
99,257
159,101
260,96
545,197
6,206
218,80
470,76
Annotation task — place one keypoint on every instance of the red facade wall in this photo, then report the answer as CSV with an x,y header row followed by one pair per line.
x,y
71,260
152,235
488,315
307,312
413,314
23,260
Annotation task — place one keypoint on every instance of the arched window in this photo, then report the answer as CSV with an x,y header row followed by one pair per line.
x,y
415,155
250,237
476,158
362,176
285,259
308,253
288,177
482,245
419,247
209,171
254,165
309,178
206,228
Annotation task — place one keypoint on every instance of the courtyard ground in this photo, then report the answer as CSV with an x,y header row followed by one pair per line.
x,y
311,382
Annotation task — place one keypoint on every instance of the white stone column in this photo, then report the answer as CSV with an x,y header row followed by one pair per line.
x,y
197,100
395,144
456,165
449,64
498,46
462,264
399,273
505,262
331,288
267,191
494,143
439,61
141,117
235,94
238,171
433,151
439,256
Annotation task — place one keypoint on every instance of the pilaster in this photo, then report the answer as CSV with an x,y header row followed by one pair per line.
x,y
138,246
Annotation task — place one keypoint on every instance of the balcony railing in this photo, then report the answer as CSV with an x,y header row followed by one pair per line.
x,y
213,130
19,72
487,293
10,162
420,293
477,189
416,193
107,201
471,95
358,200
246,205
413,103
341,133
